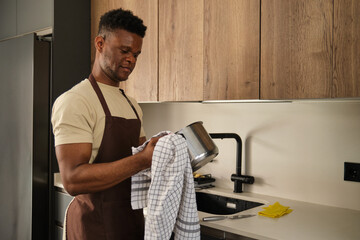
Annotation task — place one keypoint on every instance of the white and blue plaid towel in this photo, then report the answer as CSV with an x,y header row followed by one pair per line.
x,y
167,190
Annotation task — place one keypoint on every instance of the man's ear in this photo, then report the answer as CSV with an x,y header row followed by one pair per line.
x,y
99,43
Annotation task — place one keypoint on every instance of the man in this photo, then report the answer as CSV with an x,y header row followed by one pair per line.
x,y
95,125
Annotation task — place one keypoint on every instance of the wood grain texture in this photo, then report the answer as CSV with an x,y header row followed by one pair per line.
x,y
143,82
346,48
296,49
181,50
231,49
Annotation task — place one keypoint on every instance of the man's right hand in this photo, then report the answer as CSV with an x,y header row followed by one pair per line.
x,y
148,151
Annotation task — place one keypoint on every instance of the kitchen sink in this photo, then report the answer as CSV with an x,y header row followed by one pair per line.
x,y
220,205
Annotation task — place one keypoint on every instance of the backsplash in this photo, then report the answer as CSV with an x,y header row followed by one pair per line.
x,y
294,150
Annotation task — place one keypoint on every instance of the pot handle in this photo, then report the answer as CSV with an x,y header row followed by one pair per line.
x,y
181,134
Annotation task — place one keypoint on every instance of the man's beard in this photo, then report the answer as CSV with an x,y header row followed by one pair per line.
x,y
112,74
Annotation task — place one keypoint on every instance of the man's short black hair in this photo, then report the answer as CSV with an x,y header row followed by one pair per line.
x,y
121,19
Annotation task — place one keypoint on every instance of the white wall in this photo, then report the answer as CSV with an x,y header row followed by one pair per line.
x,y
294,150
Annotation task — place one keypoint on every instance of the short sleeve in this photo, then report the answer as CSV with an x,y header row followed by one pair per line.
x,y
72,120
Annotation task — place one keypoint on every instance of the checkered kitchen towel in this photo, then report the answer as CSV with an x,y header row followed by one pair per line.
x,y
167,189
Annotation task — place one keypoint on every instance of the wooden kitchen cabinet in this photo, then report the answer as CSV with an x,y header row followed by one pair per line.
x,y
346,49
181,50
296,49
310,49
143,82
244,49
231,49
203,50
208,50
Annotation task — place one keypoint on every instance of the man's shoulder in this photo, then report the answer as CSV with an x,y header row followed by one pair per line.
x,y
81,90
80,94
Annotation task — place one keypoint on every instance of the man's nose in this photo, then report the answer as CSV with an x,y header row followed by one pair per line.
x,y
131,58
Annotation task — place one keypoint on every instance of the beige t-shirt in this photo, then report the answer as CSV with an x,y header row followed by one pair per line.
x,y
78,117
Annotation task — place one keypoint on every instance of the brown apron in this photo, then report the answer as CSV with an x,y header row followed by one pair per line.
x,y
108,214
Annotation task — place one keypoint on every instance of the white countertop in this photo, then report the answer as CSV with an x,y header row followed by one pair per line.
x,y
57,181
306,221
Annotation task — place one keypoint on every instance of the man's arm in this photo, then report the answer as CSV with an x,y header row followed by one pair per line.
x,y
78,176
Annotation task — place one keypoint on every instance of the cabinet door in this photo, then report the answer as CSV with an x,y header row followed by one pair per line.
x,y
346,48
61,202
34,15
16,104
143,81
296,49
7,18
58,233
231,47
181,50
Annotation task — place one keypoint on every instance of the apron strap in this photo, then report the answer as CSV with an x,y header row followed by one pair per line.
x,y
132,106
102,99
100,95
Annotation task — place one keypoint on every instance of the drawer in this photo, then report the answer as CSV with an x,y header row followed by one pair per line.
x,y
62,201
208,233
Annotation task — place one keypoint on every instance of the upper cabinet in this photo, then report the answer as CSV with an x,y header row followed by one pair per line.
x,y
243,49
346,49
202,50
7,19
25,16
181,50
296,49
208,50
231,49
310,49
34,15
143,82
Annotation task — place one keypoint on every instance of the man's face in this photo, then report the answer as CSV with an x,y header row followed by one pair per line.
x,y
120,51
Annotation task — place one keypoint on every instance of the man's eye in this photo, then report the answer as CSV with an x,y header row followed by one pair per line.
x,y
124,51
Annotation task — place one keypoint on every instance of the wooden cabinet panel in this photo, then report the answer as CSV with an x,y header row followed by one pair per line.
x,y
296,49
181,50
346,48
143,82
231,48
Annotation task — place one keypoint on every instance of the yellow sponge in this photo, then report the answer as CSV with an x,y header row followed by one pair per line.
x,y
274,211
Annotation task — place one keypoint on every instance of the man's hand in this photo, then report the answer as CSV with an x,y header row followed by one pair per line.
x,y
147,153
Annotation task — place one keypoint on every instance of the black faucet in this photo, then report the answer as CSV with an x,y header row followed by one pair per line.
x,y
237,178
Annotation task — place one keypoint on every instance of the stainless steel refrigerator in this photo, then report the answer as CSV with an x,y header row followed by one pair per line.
x,y
33,73
24,138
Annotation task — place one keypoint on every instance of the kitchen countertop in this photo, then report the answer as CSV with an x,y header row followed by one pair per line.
x,y
306,221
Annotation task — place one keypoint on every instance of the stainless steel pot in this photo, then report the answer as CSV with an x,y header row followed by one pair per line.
x,y
202,148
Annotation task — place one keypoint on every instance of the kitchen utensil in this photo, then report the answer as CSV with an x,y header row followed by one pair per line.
x,y
201,147
203,181
217,218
